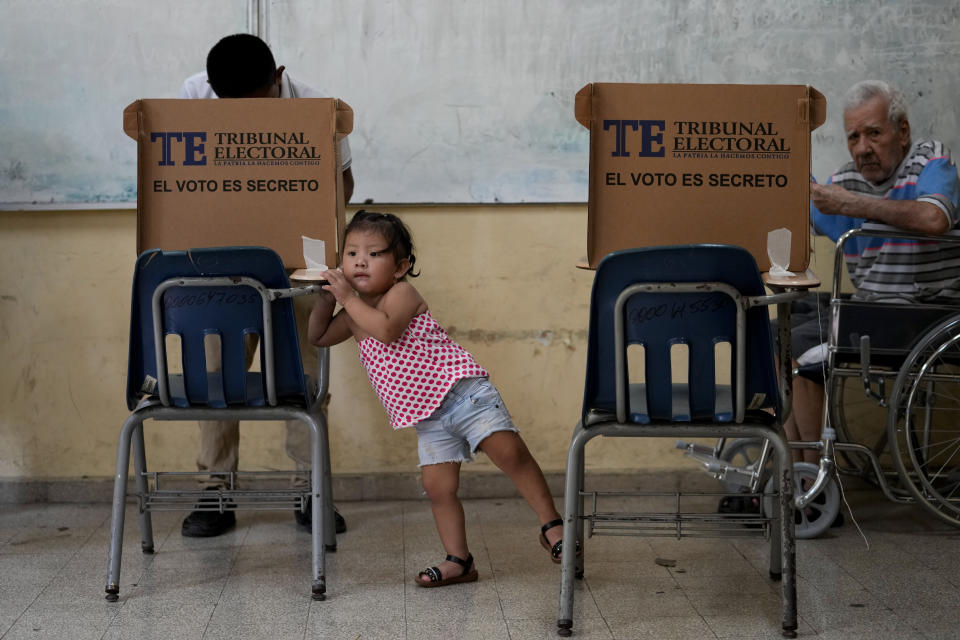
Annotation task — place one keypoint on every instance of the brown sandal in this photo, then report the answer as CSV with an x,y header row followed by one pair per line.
x,y
556,551
437,580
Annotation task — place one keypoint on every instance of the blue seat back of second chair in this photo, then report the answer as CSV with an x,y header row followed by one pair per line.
x,y
231,312
658,321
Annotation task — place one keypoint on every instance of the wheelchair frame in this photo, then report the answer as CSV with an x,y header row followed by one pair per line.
x,y
925,453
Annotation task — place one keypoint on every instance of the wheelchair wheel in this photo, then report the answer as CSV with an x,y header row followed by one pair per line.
x,y
745,453
923,427
819,514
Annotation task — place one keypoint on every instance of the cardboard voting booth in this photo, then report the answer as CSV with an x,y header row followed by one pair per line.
x,y
235,172
684,164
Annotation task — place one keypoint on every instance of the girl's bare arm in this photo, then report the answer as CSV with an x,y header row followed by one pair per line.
x,y
388,319
325,329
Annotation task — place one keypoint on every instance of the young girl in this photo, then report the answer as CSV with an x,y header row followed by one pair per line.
x,y
427,381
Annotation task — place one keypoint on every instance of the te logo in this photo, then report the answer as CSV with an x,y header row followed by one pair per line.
x,y
193,153
651,131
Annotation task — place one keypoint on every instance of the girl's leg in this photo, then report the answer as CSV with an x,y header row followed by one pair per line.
x,y
509,452
441,482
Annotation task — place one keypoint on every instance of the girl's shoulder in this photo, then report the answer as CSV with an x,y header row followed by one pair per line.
x,y
408,295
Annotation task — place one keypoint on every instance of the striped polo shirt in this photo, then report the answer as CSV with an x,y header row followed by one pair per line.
x,y
908,270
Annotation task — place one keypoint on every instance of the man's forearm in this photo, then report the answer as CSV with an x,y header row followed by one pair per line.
x,y
909,215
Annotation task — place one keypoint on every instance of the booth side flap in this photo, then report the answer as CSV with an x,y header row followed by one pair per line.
x,y
131,119
583,105
818,108
344,119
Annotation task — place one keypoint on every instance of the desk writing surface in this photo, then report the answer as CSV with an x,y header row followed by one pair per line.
x,y
310,276
805,280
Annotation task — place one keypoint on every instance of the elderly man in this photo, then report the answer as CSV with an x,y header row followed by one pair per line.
x,y
891,181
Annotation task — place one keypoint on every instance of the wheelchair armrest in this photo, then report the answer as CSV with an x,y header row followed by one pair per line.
x,y
877,230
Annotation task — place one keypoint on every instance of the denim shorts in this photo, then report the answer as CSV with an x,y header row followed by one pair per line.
x,y
471,411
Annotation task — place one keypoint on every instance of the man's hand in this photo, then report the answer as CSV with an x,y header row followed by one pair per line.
x,y
833,199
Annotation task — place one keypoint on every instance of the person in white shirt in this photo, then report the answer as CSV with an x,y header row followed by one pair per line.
x,y
242,66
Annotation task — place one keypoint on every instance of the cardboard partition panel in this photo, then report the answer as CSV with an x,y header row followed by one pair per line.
x,y
683,164
236,172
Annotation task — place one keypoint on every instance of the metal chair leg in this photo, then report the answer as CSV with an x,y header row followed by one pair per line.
x,y
776,532
788,547
119,498
572,528
320,506
140,479
330,525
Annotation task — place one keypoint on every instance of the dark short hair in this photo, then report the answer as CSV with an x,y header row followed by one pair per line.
x,y
240,65
397,235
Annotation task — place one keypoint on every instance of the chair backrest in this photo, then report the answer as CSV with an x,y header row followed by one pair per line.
x,y
658,321
230,312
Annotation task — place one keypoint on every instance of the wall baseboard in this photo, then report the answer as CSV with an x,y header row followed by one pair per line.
x,y
380,486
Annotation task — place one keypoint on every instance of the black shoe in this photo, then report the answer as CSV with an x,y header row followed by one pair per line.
x,y
743,505
738,504
305,518
207,524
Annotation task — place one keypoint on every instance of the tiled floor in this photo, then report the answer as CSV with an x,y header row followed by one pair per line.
x,y
254,581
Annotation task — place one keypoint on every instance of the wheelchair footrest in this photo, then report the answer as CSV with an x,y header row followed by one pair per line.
x,y
263,490
678,521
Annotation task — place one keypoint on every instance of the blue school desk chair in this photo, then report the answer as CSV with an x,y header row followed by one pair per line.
x,y
233,293
665,299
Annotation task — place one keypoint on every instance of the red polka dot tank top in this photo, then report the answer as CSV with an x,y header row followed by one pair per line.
x,y
412,374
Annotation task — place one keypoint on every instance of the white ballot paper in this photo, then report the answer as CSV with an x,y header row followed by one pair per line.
x,y
778,250
314,255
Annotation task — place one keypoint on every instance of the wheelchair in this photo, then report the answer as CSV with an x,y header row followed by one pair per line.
x,y
892,376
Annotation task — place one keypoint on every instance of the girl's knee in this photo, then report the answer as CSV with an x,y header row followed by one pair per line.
x,y
507,450
440,481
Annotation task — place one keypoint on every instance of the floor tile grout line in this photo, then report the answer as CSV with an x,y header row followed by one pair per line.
x,y
593,598
147,565
496,584
403,572
233,564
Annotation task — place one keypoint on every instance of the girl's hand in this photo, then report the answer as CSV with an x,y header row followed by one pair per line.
x,y
338,285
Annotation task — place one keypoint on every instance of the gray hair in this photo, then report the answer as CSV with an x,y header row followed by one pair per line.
x,y
870,89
